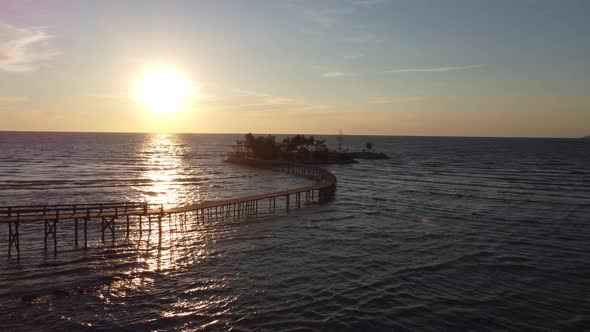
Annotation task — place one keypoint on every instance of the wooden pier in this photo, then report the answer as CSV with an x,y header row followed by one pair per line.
x,y
140,212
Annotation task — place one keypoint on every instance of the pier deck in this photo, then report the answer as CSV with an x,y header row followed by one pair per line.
x,y
108,213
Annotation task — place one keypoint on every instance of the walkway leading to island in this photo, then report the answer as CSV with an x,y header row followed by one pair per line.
x,y
140,212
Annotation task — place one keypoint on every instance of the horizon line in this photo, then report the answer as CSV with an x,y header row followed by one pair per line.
x,y
256,133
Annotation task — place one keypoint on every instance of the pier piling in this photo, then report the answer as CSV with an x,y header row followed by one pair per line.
x,y
108,213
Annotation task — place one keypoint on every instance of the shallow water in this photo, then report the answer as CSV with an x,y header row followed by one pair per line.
x,y
448,234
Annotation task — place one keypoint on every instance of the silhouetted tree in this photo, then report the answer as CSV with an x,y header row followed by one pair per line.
x,y
263,147
298,147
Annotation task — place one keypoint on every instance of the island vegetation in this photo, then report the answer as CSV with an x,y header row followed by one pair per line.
x,y
298,148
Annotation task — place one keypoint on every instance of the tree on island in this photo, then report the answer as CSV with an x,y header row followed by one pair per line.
x,y
299,148
295,147
302,143
263,147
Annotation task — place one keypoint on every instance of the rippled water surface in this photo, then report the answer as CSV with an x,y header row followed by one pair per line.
x,y
448,234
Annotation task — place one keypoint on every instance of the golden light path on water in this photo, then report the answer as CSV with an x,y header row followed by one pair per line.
x,y
183,243
162,168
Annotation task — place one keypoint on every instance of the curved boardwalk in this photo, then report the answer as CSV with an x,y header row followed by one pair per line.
x,y
109,213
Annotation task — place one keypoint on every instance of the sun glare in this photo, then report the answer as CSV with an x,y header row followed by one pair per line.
x,y
163,90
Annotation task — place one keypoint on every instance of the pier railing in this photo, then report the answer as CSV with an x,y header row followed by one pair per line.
x,y
321,192
30,212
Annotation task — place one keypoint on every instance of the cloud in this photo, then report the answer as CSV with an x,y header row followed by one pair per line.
x,y
430,70
23,49
107,95
326,18
353,56
389,100
323,18
366,37
336,74
368,3
12,99
264,98
262,101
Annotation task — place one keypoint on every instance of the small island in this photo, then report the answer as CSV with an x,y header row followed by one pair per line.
x,y
298,148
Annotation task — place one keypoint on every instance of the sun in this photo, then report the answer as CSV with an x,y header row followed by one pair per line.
x,y
163,90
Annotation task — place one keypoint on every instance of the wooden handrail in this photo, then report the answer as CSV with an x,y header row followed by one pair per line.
x,y
326,185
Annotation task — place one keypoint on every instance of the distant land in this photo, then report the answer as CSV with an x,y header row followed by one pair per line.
x,y
586,137
298,148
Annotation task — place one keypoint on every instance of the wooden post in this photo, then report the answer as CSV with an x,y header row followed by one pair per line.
x,y
85,233
9,236
13,238
110,225
113,228
159,231
55,237
140,228
51,228
45,239
149,226
76,232
102,227
127,235
16,236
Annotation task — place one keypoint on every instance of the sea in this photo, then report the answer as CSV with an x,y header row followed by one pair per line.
x,y
449,234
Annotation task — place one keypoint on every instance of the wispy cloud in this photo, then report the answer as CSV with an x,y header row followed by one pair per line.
x,y
337,74
430,70
7,102
11,99
323,18
389,100
368,3
107,95
23,49
263,101
328,17
353,56
365,37
263,98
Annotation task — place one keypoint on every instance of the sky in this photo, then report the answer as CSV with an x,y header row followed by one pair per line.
x,y
426,68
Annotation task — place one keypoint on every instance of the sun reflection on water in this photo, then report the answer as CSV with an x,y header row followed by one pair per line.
x,y
175,178
163,169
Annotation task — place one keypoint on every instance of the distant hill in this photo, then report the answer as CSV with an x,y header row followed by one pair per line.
x,y
586,137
